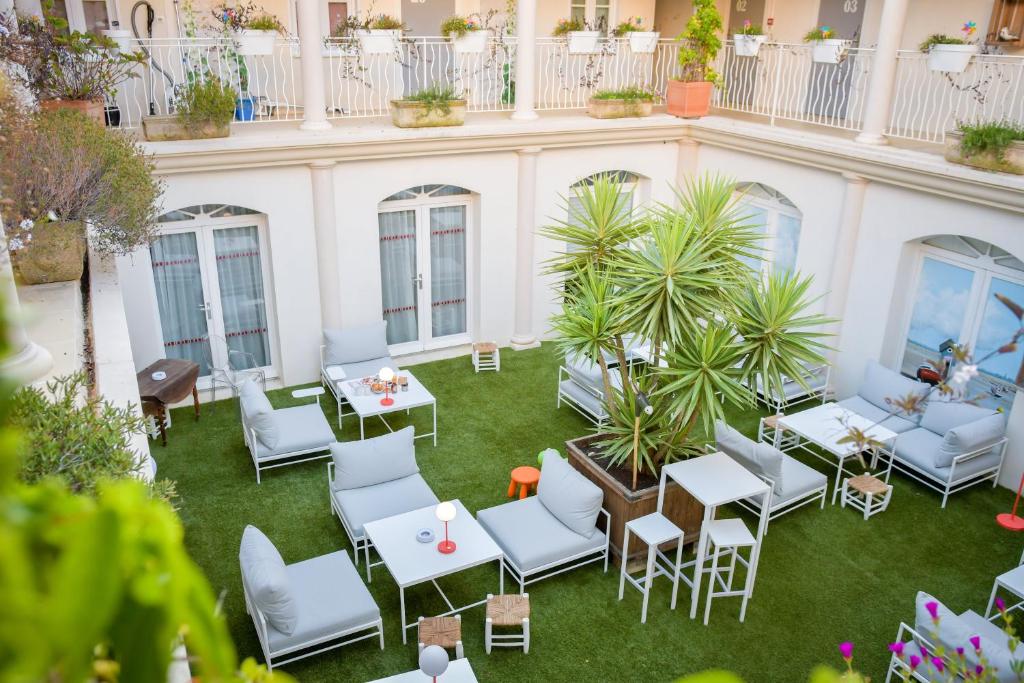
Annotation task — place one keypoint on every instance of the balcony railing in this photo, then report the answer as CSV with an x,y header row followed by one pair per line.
x,y
782,83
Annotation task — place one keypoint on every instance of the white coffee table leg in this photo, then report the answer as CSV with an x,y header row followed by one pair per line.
x,y
401,599
434,406
698,571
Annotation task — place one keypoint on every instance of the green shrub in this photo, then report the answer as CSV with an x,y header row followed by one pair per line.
x,y
630,94
628,26
265,22
749,29
565,26
939,39
436,98
206,101
700,43
990,140
819,33
457,26
385,22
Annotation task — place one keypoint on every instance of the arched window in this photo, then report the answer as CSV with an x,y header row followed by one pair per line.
x,y
957,282
778,220
424,238
626,181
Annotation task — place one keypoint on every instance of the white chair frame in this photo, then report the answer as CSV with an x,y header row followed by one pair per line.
x,y
902,669
952,485
332,385
598,420
292,457
272,657
360,544
557,567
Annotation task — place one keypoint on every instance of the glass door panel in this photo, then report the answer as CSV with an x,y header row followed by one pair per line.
x,y
447,271
1002,371
399,275
181,299
940,309
242,300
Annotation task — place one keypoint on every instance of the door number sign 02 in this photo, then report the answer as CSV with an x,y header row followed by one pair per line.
x,y
741,5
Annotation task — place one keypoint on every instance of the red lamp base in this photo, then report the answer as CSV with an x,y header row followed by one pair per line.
x,y
1010,521
387,401
447,547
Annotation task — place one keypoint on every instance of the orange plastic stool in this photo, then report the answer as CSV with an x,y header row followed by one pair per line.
x,y
523,477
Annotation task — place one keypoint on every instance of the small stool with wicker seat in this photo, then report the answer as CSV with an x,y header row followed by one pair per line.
x,y
486,356
503,611
445,632
866,493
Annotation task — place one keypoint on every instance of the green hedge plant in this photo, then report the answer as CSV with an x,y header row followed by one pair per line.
x,y
206,101
939,39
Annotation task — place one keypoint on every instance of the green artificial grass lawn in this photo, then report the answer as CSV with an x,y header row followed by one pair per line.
x,y
825,576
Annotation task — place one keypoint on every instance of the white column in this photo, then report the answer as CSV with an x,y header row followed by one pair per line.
x,y
845,248
523,336
686,161
326,229
526,60
882,85
27,361
312,65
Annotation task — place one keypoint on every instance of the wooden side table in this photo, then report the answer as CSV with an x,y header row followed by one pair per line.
x,y
866,493
156,395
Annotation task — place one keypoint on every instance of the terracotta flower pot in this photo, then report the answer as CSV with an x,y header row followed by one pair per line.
x,y
689,100
91,108
56,253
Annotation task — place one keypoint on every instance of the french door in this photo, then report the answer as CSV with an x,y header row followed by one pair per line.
x,y
211,289
424,278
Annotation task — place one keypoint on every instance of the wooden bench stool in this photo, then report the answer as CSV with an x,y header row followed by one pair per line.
x,y
504,611
486,356
445,632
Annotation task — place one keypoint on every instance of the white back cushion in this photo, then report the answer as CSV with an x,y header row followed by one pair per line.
x,y
267,580
356,344
259,414
762,459
374,461
569,496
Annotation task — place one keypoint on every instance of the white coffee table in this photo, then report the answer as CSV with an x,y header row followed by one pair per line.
x,y
1012,582
411,562
825,426
369,404
459,671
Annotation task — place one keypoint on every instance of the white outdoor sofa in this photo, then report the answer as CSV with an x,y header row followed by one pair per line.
x,y
815,386
957,445
880,386
793,483
953,631
581,386
353,353
286,436
554,531
305,608
372,479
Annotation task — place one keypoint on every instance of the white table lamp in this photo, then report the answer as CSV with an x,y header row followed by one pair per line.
x,y
386,375
446,512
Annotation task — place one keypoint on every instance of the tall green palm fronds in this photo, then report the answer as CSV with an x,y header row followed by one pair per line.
x,y
780,337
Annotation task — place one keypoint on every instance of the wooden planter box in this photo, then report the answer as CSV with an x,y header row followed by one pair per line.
x,y
624,504
619,109
161,128
405,114
1013,159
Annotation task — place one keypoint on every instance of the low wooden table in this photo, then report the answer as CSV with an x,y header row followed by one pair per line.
x,y
156,395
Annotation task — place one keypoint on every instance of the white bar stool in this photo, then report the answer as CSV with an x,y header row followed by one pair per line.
x,y
653,529
728,535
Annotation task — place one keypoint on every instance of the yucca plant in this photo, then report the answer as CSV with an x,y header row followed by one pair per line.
x,y
677,277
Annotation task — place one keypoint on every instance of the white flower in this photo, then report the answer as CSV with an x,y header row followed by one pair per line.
x,y
963,374
15,243
27,224
51,216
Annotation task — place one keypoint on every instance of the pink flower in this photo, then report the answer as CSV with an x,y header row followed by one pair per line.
x,y
1000,605
915,662
960,652
933,609
978,670
896,648
939,665
976,642
846,650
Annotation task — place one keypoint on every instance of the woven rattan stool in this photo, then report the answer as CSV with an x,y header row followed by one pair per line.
x,y
443,631
507,610
866,493
486,356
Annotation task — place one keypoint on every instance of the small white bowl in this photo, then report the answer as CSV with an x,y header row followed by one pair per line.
x,y
159,375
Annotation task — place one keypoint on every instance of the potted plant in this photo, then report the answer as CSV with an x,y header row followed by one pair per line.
x,y
205,108
429,108
581,38
467,34
825,47
622,103
640,40
719,330
60,169
949,53
379,35
64,68
252,29
997,146
689,95
749,40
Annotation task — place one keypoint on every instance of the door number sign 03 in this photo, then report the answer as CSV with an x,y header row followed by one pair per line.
x,y
849,6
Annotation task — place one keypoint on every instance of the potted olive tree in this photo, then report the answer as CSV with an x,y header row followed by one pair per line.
x,y
689,95
253,29
429,108
205,108
60,170
677,277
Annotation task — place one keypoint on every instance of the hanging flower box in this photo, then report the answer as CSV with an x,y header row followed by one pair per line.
x,y
378,41
643,42
950,58
584,42
254,43
829,50
747,45
473,42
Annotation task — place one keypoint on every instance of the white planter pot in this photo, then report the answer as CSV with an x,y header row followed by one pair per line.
x,y
255,42
952,58
747,46
473,43
829,51
121,38
643,42
377,41
584,42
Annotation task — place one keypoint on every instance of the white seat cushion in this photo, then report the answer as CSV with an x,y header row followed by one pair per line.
x,y
302,428
330,598
370,503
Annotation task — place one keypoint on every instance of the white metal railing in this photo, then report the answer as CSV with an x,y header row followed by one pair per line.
x,y
783,82
927,104
566,80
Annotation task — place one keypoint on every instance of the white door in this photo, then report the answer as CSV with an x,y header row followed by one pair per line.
x,y
424,272
212,295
